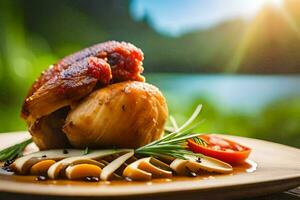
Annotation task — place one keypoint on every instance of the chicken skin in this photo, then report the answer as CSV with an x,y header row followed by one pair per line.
x,y
71,84
127,114
75,76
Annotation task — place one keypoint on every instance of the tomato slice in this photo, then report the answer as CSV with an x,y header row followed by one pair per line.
x,y
220,148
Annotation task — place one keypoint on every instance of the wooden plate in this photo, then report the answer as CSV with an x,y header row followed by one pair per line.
x,y
278,170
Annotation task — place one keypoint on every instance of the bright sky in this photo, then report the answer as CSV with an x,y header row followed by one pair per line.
x,y
175,17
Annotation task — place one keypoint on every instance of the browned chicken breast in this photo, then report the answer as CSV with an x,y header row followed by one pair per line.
x,y
128,114
96,120
68,86
75,76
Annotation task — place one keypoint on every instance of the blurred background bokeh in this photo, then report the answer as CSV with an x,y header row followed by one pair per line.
x,y
239,58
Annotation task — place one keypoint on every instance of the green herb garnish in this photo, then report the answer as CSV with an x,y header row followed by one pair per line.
x,y
199,141
14,151
174,123
86,151
174,143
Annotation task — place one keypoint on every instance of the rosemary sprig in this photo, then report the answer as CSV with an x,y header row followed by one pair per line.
x,y
173,127
174,123
14,151
174,143
199,141
86,151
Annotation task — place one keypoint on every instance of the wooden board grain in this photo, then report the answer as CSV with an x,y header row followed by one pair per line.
x,y
278,170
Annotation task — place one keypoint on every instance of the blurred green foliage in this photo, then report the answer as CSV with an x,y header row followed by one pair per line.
x,y
34,34
279,121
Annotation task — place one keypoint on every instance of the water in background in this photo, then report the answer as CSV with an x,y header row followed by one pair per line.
x,y
245,93
266,107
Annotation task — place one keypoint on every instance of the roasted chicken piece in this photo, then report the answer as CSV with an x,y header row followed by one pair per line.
x,y
127,114
68,86
47,131
75,76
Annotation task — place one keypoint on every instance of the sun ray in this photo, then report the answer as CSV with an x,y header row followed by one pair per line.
x,y
290,21
244,43
235,61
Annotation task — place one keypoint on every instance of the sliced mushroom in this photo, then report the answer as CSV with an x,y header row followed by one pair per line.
x,y
55,170
41,167
157,168
89,161
108,171
144,168
209,164
179,166
134,173
82,170
23,164
194,164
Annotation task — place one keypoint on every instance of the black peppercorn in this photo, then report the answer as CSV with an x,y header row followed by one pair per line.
x,y
41,178
95,179
198,160
8,162
128,179
91,179
190,172
7,168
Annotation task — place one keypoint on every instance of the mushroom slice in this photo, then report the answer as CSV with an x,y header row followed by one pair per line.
x,y
179,166
133,172
194,164
89,161
209,164
55,170
82,170
23,164
108,171
157,168
143,169
41,167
